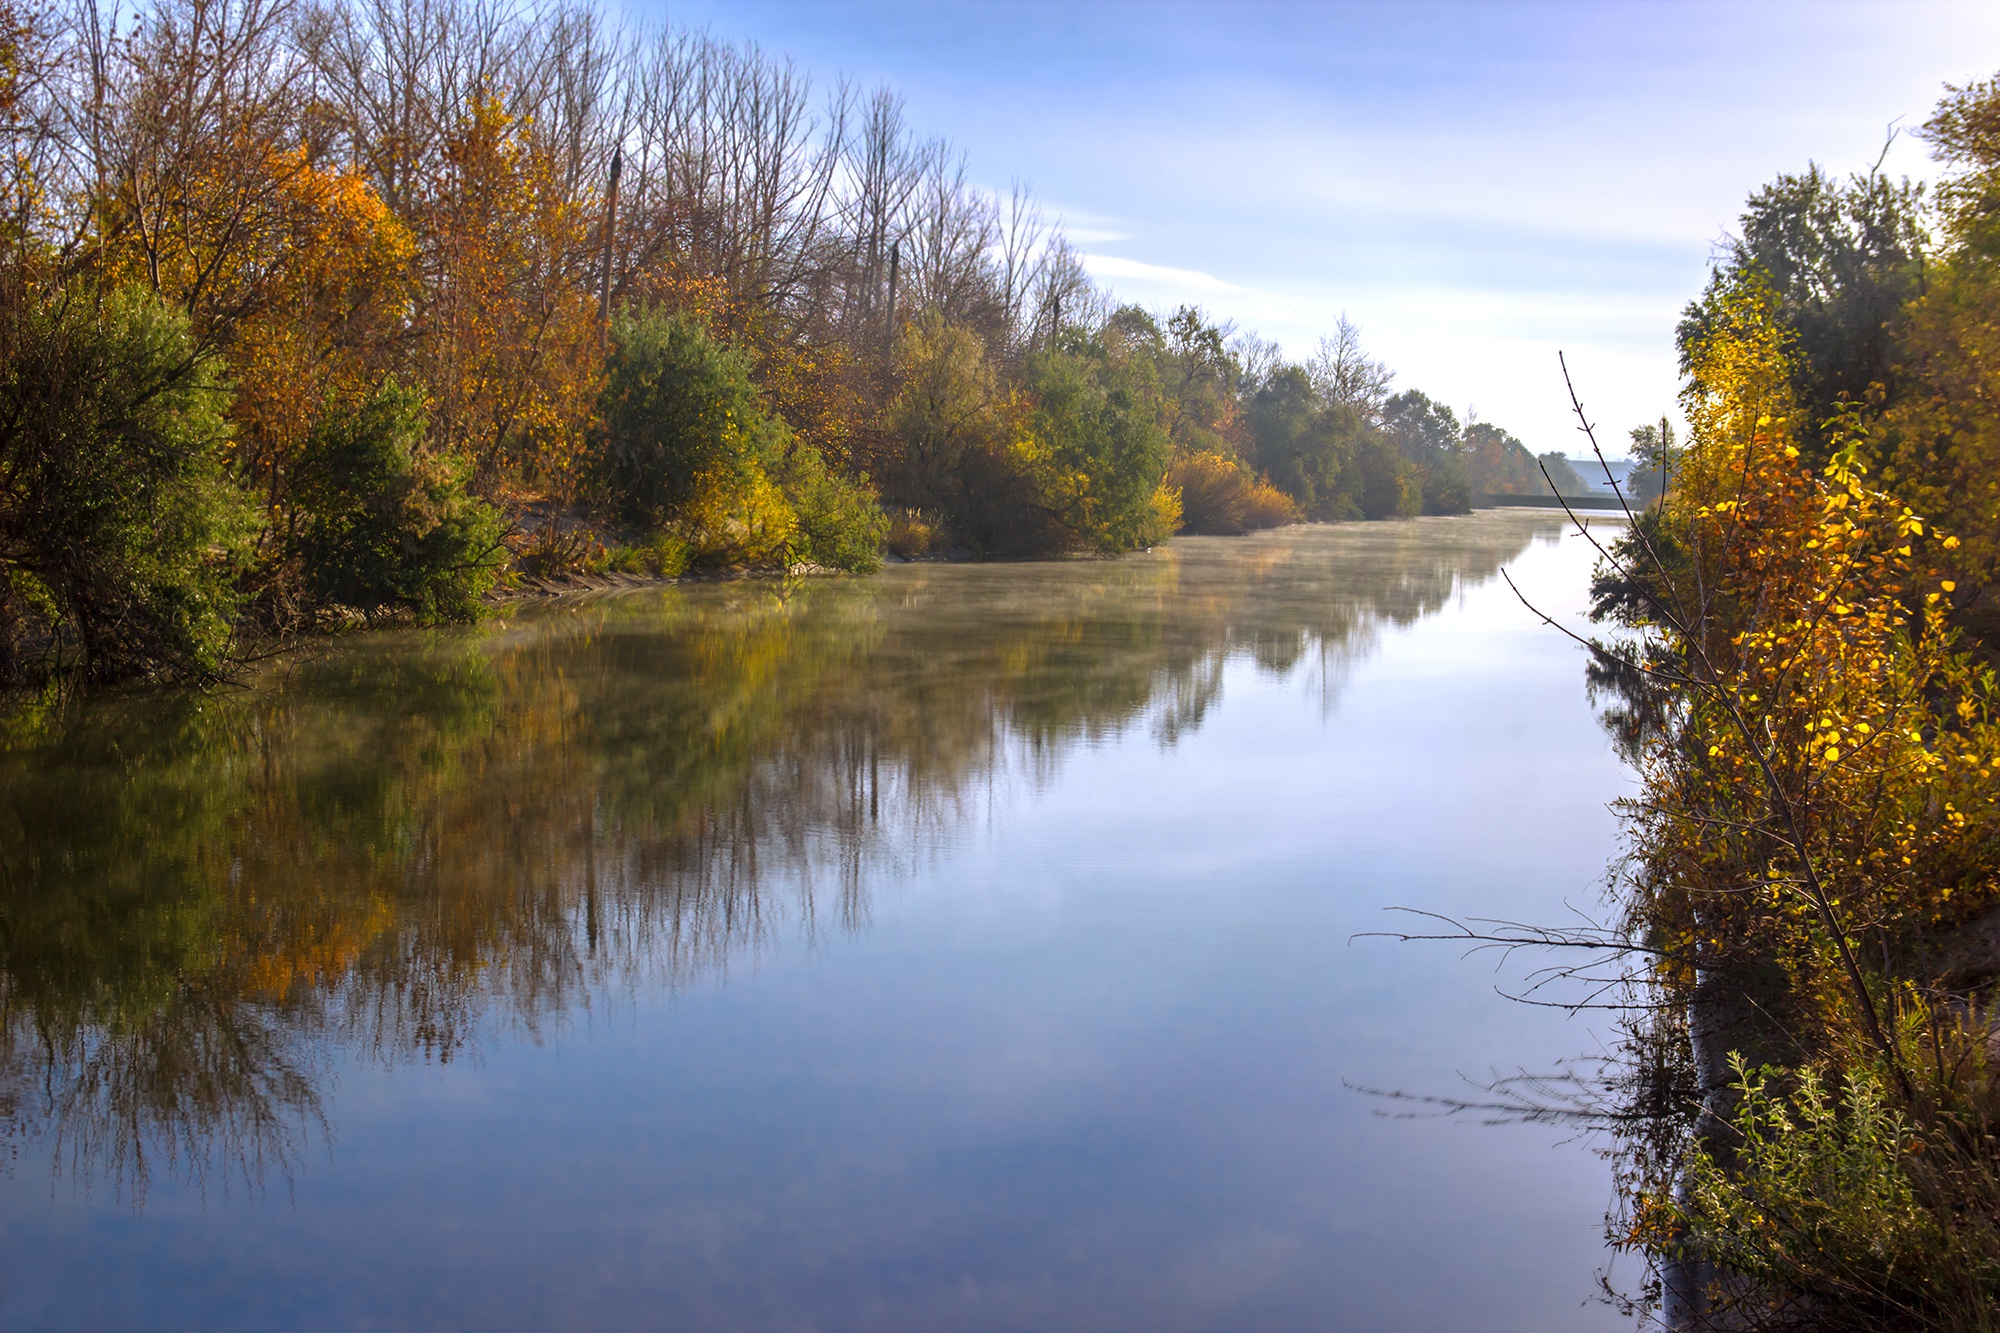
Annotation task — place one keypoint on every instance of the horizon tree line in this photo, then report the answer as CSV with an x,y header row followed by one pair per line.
x,y
316,310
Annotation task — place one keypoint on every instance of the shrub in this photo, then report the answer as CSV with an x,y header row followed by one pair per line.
x,y
663,556
1828,1213
1096,448
839,524
121,533
1268,507
380,525
915,533
681,420
687,447
1217,497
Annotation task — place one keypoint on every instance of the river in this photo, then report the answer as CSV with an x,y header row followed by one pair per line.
x,y
968,947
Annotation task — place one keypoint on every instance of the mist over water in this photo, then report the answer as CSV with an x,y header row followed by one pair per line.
x,y
966,947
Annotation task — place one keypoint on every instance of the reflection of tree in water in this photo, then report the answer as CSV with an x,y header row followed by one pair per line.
x,y
384,846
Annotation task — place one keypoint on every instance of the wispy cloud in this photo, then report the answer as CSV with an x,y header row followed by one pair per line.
x,y
1115,266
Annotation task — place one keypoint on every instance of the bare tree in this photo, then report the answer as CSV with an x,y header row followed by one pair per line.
x,y
1342,373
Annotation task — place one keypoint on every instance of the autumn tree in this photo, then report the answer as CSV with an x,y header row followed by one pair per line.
x,y
1818,814
1499,464
1943,432
506,332
1842,257
950,426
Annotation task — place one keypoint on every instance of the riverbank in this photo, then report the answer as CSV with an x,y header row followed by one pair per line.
x,y
1811,1099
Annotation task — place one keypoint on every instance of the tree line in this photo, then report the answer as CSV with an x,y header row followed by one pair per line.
x,y
317,311
1803,669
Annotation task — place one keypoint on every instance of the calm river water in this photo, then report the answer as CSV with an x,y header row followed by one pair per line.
x,y
965,948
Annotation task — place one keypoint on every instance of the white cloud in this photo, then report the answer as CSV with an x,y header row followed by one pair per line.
x,y
1092,235
1114,266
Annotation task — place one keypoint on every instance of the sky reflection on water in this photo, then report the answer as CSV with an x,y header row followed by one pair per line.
x,y
966,948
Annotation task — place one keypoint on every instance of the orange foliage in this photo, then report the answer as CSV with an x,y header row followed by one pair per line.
x,y
330,316
508,340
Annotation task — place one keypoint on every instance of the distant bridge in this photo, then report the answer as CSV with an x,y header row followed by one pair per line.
x,y
1546,501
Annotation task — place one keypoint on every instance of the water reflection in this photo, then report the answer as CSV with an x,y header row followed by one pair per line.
x,y
389,846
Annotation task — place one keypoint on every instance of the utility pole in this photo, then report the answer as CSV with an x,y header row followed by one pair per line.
x,y
889,330
610,226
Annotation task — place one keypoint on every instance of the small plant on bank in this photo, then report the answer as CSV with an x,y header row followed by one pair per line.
x,y
916,534
663,556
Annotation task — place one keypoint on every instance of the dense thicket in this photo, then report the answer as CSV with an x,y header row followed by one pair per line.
x,y
1804,678
409,300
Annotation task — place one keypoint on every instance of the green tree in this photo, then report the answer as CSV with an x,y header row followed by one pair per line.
x,y
1307,449
680,416
1426,433
686,445
1843,258
1200,380
1654,458
1096,443
379,524
1568,481
1386,484
121,533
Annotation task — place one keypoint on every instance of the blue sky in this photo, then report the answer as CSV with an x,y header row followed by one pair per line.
x,y
1475,184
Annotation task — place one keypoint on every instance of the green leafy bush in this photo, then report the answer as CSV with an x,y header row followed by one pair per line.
x,y
680,417
1837,1210
121,533
686,448
380,525
840,525
1096,446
